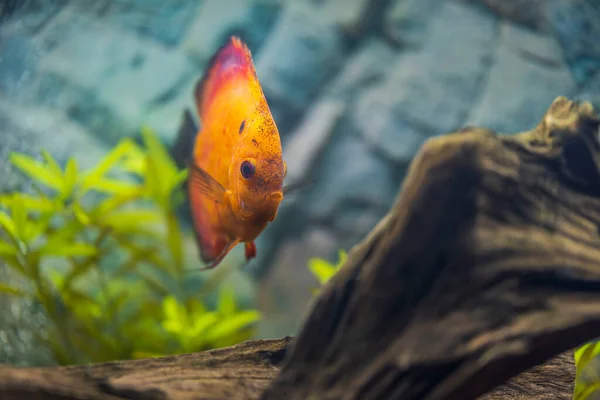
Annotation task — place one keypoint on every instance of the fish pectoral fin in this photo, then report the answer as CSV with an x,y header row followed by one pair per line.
x,y
228,247
205,183
292,187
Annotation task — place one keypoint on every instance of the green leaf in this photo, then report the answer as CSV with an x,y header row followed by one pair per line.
x,y
147,354
36,170
158,152
12,291
78,269
155,285
129,220
109,161
113,186
321,269
585,353
175,315
175,241
70,177
180,177
161,173
587,362
134,163
14,263
226,304
8,225
114,202
201,323
19,217
51,163
81,214
232,324
7,250
67,249
32,203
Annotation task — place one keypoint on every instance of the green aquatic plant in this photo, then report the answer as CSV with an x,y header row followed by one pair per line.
x,y
323,270
587,378
101,251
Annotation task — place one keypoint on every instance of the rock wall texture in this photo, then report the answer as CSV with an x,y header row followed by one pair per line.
x,y
355,86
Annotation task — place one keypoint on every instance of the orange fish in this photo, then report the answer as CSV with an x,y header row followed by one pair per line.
x,y
236,176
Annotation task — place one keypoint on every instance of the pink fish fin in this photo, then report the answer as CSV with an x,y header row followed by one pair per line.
x,y
233,60
204,183
228,247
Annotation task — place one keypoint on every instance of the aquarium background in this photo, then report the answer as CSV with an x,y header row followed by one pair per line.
x,y
355,86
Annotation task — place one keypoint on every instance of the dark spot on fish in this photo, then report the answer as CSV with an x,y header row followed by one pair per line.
x,y
254,141
242,126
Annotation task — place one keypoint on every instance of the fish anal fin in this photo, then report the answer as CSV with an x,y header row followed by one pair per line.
x,y
205,184
250,250
217,260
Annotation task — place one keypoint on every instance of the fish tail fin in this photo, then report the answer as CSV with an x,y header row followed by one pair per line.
x,y
233,58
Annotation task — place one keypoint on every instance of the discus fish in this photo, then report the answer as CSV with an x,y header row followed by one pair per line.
x,y
235,181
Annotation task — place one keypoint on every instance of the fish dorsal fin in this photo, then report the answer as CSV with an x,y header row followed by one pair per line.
x,y
230,70
183,146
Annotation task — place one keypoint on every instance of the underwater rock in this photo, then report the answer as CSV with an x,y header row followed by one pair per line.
x,y
436,86
407,21
345,13
119,73
27,17
366,66
31,129
217,20
576,24
530,13
310,138
349,174
537,46
505,106
301,54
384,128
18,64
164,22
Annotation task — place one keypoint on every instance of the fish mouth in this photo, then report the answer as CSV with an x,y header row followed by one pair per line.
x,y
275,197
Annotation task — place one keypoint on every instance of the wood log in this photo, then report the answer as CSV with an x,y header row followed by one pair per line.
x,y
487,264
486,267
239,372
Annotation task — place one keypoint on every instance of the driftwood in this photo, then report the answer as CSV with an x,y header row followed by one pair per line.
x,y
487,265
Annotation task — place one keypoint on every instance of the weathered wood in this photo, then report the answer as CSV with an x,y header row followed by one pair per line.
x,y
552,380
488,264
238,372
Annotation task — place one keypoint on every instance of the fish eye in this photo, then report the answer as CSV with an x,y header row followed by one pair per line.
x,y
247,169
